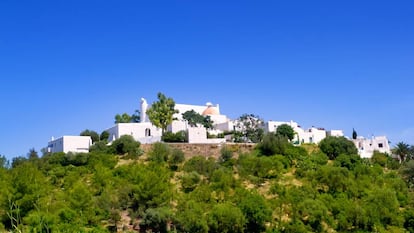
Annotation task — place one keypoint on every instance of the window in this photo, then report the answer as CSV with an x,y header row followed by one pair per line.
x,y
380,145
147,132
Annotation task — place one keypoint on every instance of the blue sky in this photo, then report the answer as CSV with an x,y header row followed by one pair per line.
x,y
66,66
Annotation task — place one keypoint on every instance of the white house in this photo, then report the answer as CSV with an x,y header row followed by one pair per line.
x,y
335,133
207,110
144,132
311,135
199,135
75,144
367,146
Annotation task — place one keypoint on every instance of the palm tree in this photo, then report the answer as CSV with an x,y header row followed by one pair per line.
x,y
402,150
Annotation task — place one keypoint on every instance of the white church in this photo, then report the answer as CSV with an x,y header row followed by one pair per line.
x,y
145,132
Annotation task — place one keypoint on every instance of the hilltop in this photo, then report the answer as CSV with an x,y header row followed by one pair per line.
x,y
270,187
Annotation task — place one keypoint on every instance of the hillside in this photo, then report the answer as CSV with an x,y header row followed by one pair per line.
x,y
236,189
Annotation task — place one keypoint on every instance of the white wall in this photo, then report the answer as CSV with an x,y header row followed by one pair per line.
x,y
367,146
75,144
335,133
199,135
182,108
141,132
311,135
177,126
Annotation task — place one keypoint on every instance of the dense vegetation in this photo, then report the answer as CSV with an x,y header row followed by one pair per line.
x,y
275,188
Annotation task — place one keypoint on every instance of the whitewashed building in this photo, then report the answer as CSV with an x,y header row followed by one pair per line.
x,y
205,110
367,146
75,144
311,135
144,132
199,135
335,133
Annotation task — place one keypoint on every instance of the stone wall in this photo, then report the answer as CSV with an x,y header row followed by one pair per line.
x,y
208,150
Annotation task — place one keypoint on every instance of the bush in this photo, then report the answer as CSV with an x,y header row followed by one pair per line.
x,y
348,161
189,181
99,147
159,152
226,217
126,144
226,155
201,165
334,146
273,144
259,168
379,158
176,157
180,136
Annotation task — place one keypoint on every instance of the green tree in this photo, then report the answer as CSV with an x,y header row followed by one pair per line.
x,y
175,159
124,118
136,117
159,152
313,213
273,144
226,218
189,181
161,113
190,217
249,128
334,146
285,130
104,136
354,134
156,220
4,163
193,118
126,144
94,135
408,172
402,150
32,155
255,209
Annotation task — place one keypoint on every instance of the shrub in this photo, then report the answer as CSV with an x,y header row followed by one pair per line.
x,y
159,152
273,144
180,136
225,155
201,165
334,146
126,144
189,181
176,157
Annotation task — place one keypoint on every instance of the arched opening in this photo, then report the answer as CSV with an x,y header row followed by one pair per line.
x,y
147,132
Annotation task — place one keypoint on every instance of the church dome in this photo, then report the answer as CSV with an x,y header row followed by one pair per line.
x,y
210,110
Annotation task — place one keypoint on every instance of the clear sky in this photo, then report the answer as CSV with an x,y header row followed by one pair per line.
x,y
66,66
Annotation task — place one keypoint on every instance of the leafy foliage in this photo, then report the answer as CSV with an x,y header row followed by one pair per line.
x,y
126,145
402,150
285,130
194,118
180,136
162,111
249,128
94,135
294,191
273,144
334,146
